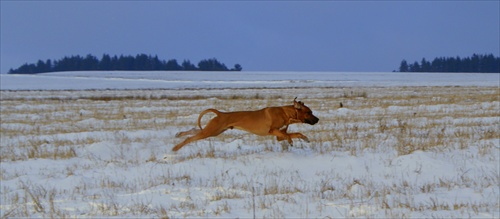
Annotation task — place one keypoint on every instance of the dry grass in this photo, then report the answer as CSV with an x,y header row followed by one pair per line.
x,y
41,124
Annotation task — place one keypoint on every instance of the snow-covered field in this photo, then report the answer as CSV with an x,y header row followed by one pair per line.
x,y
92,144
190,80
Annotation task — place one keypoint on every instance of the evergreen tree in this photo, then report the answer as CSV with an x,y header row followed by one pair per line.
x,y
237,67
140,62
89,63
48,66
425,66
115,64
157,64
475,63
403,67
466,65
172,65
415,67
40,67
105,63
126,63
187,66
211,65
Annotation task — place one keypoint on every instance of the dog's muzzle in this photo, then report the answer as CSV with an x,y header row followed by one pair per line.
x,y
311,121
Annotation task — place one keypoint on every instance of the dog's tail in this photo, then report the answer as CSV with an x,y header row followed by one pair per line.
x,y
205,112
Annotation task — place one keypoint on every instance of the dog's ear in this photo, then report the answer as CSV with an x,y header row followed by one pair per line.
x,y
297,105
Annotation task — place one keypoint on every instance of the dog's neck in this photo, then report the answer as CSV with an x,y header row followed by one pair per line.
x,y
296,113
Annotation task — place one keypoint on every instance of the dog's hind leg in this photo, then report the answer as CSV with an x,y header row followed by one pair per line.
x,y
213,128
188,140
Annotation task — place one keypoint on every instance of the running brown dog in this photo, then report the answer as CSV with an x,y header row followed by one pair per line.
x,y
267,121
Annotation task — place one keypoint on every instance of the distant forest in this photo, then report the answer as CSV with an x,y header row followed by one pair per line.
x,y
140,62
476,63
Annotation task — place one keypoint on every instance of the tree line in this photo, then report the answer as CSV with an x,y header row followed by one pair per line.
x,y
475,63
139,62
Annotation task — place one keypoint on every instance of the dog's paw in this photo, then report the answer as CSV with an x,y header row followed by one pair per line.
x,y
306,139
285,145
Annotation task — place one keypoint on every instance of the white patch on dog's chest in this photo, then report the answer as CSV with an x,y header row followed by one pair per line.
x,y
283,127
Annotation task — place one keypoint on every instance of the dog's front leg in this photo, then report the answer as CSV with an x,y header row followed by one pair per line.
x,y
281,135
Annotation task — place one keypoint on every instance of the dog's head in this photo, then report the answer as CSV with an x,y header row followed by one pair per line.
x,y
304,114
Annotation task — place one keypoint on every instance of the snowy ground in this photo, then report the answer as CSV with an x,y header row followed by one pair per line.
x,y
428,148
189,80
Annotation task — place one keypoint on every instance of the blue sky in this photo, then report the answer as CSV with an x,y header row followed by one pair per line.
x,y
259,35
